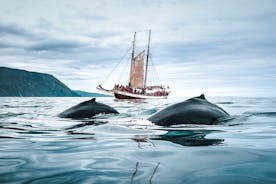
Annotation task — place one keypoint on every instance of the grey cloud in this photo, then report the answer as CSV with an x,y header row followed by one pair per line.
x,y
13,34
15,30
232,46
5,45
103,34
43,23
94,17
59,46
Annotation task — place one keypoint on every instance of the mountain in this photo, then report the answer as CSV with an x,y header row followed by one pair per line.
x,y
15,82
89,94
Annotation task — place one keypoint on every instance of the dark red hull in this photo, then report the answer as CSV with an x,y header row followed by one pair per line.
x,y
120,96
135,96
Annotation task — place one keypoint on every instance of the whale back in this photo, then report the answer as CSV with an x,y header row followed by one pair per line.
x,y
87,109
195,110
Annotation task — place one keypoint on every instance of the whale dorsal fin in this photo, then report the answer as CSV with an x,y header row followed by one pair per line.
x,y
93,100
202,97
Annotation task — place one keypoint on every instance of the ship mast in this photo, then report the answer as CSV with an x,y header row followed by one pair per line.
x,y
147,61
132,56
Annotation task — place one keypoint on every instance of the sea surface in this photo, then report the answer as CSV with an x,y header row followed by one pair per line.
x,y
38,147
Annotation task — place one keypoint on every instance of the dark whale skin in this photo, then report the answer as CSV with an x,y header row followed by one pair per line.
x,y
195,110
87,109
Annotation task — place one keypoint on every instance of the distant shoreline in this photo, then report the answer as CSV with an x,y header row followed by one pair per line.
x,y
22,83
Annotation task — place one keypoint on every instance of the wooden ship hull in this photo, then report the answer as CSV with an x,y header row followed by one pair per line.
x,y
127,95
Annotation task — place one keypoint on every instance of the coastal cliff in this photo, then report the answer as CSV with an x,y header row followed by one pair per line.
x,y
15,82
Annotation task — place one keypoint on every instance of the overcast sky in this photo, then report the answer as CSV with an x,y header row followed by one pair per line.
x,y
216,47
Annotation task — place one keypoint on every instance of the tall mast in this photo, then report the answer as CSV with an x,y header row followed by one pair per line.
x,y
133,46
132,56
147,61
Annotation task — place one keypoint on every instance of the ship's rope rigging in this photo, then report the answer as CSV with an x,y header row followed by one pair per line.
x,y
122,78
153,77
120,61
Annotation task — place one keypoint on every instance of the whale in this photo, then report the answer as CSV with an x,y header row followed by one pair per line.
x,y
196,110
87,109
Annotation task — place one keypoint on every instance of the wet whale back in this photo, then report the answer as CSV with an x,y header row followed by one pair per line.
x,y
196,110
87,109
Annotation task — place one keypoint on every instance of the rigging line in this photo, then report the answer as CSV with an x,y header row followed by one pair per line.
x,y
150,76
123,70
154,75
154,69
115,66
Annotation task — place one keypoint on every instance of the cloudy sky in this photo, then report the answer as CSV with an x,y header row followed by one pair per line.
x,y
216,47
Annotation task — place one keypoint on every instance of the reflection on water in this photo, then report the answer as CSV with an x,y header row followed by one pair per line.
x,y
136,170
86,123
134,173
181,137
266,114
189,137
38,147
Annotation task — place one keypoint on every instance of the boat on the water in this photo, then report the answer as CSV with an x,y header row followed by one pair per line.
x,y
137,87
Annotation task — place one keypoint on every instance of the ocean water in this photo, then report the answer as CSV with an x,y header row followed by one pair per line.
x,y
38,147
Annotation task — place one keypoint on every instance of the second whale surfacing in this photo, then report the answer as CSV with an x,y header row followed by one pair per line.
x,y
195,110
87,109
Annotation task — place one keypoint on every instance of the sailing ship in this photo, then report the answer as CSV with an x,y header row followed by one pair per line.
x,y
137,87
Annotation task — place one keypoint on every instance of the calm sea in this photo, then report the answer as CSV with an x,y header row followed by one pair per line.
x,y
38,147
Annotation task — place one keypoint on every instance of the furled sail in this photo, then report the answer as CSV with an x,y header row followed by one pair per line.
x,y
137,71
